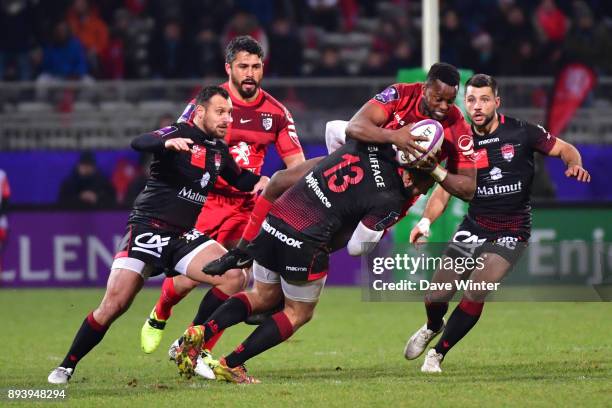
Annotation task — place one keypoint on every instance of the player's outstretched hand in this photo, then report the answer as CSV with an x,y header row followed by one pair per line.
x,y
579,173
420,232
261,184
407,142
234,258
179,144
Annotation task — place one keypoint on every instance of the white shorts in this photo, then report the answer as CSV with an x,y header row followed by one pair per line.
x,y
307,292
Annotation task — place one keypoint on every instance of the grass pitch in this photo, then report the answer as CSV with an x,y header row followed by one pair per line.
x,y
350,354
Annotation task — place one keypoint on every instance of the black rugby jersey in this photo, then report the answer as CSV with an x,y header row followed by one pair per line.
x,y
180,181
358,182
504,160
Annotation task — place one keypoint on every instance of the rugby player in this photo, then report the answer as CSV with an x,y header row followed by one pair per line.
x,y
299,279
160,236
498,223
347,200
387,118
260,120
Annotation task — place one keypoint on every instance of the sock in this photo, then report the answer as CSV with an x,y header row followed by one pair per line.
x,y
435,313
88,336
167,299
461,321
273,331
211,301
234,310
258,215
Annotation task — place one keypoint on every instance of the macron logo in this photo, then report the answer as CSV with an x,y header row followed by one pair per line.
x,y
292,242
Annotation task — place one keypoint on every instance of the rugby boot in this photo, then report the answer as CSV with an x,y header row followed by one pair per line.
x,y
151,333
236,375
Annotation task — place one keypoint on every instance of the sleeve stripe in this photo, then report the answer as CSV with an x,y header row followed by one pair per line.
x,y
291,127
293,134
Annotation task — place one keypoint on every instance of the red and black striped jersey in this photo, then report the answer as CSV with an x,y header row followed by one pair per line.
x,y
357,182
255,126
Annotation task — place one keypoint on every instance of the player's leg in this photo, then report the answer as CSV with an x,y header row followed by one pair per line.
x,y
174,289
467,313
300,302
436,306
265,292
122,286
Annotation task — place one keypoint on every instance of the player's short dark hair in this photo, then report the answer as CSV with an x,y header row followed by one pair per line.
x,y
443,72
208,92
482,81
242,43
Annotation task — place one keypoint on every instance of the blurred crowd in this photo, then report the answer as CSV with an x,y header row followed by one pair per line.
x,y
142,39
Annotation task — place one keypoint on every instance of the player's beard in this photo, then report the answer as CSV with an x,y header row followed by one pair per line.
x,y
244,93
482,128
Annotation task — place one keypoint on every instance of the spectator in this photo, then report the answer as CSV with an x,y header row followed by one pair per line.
x,y
113,59
324,14
90,29
329,64
403,57
453,47
375,65
170,56
285,49
17,39
587,42
64,56
485,59
86,187
132,32
551,22
207,55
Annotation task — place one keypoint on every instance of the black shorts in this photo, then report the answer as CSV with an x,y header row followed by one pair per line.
x,y
472,239
282,249
151,250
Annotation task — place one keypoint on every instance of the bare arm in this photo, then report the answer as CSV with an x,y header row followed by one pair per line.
x,y
366,126
462,184
436,204
572,159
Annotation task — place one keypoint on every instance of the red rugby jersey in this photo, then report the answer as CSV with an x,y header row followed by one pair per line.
x,y
401,101
254,126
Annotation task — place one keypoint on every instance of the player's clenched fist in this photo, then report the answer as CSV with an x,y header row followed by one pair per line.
x,y
179,144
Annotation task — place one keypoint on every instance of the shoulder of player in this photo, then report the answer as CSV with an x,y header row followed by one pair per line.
x,y
408,89
510,122
272,104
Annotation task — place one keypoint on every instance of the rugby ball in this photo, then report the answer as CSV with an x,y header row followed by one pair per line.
x,y
430,128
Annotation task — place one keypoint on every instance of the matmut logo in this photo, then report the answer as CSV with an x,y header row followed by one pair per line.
x,y
500,189
292,242
191,196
